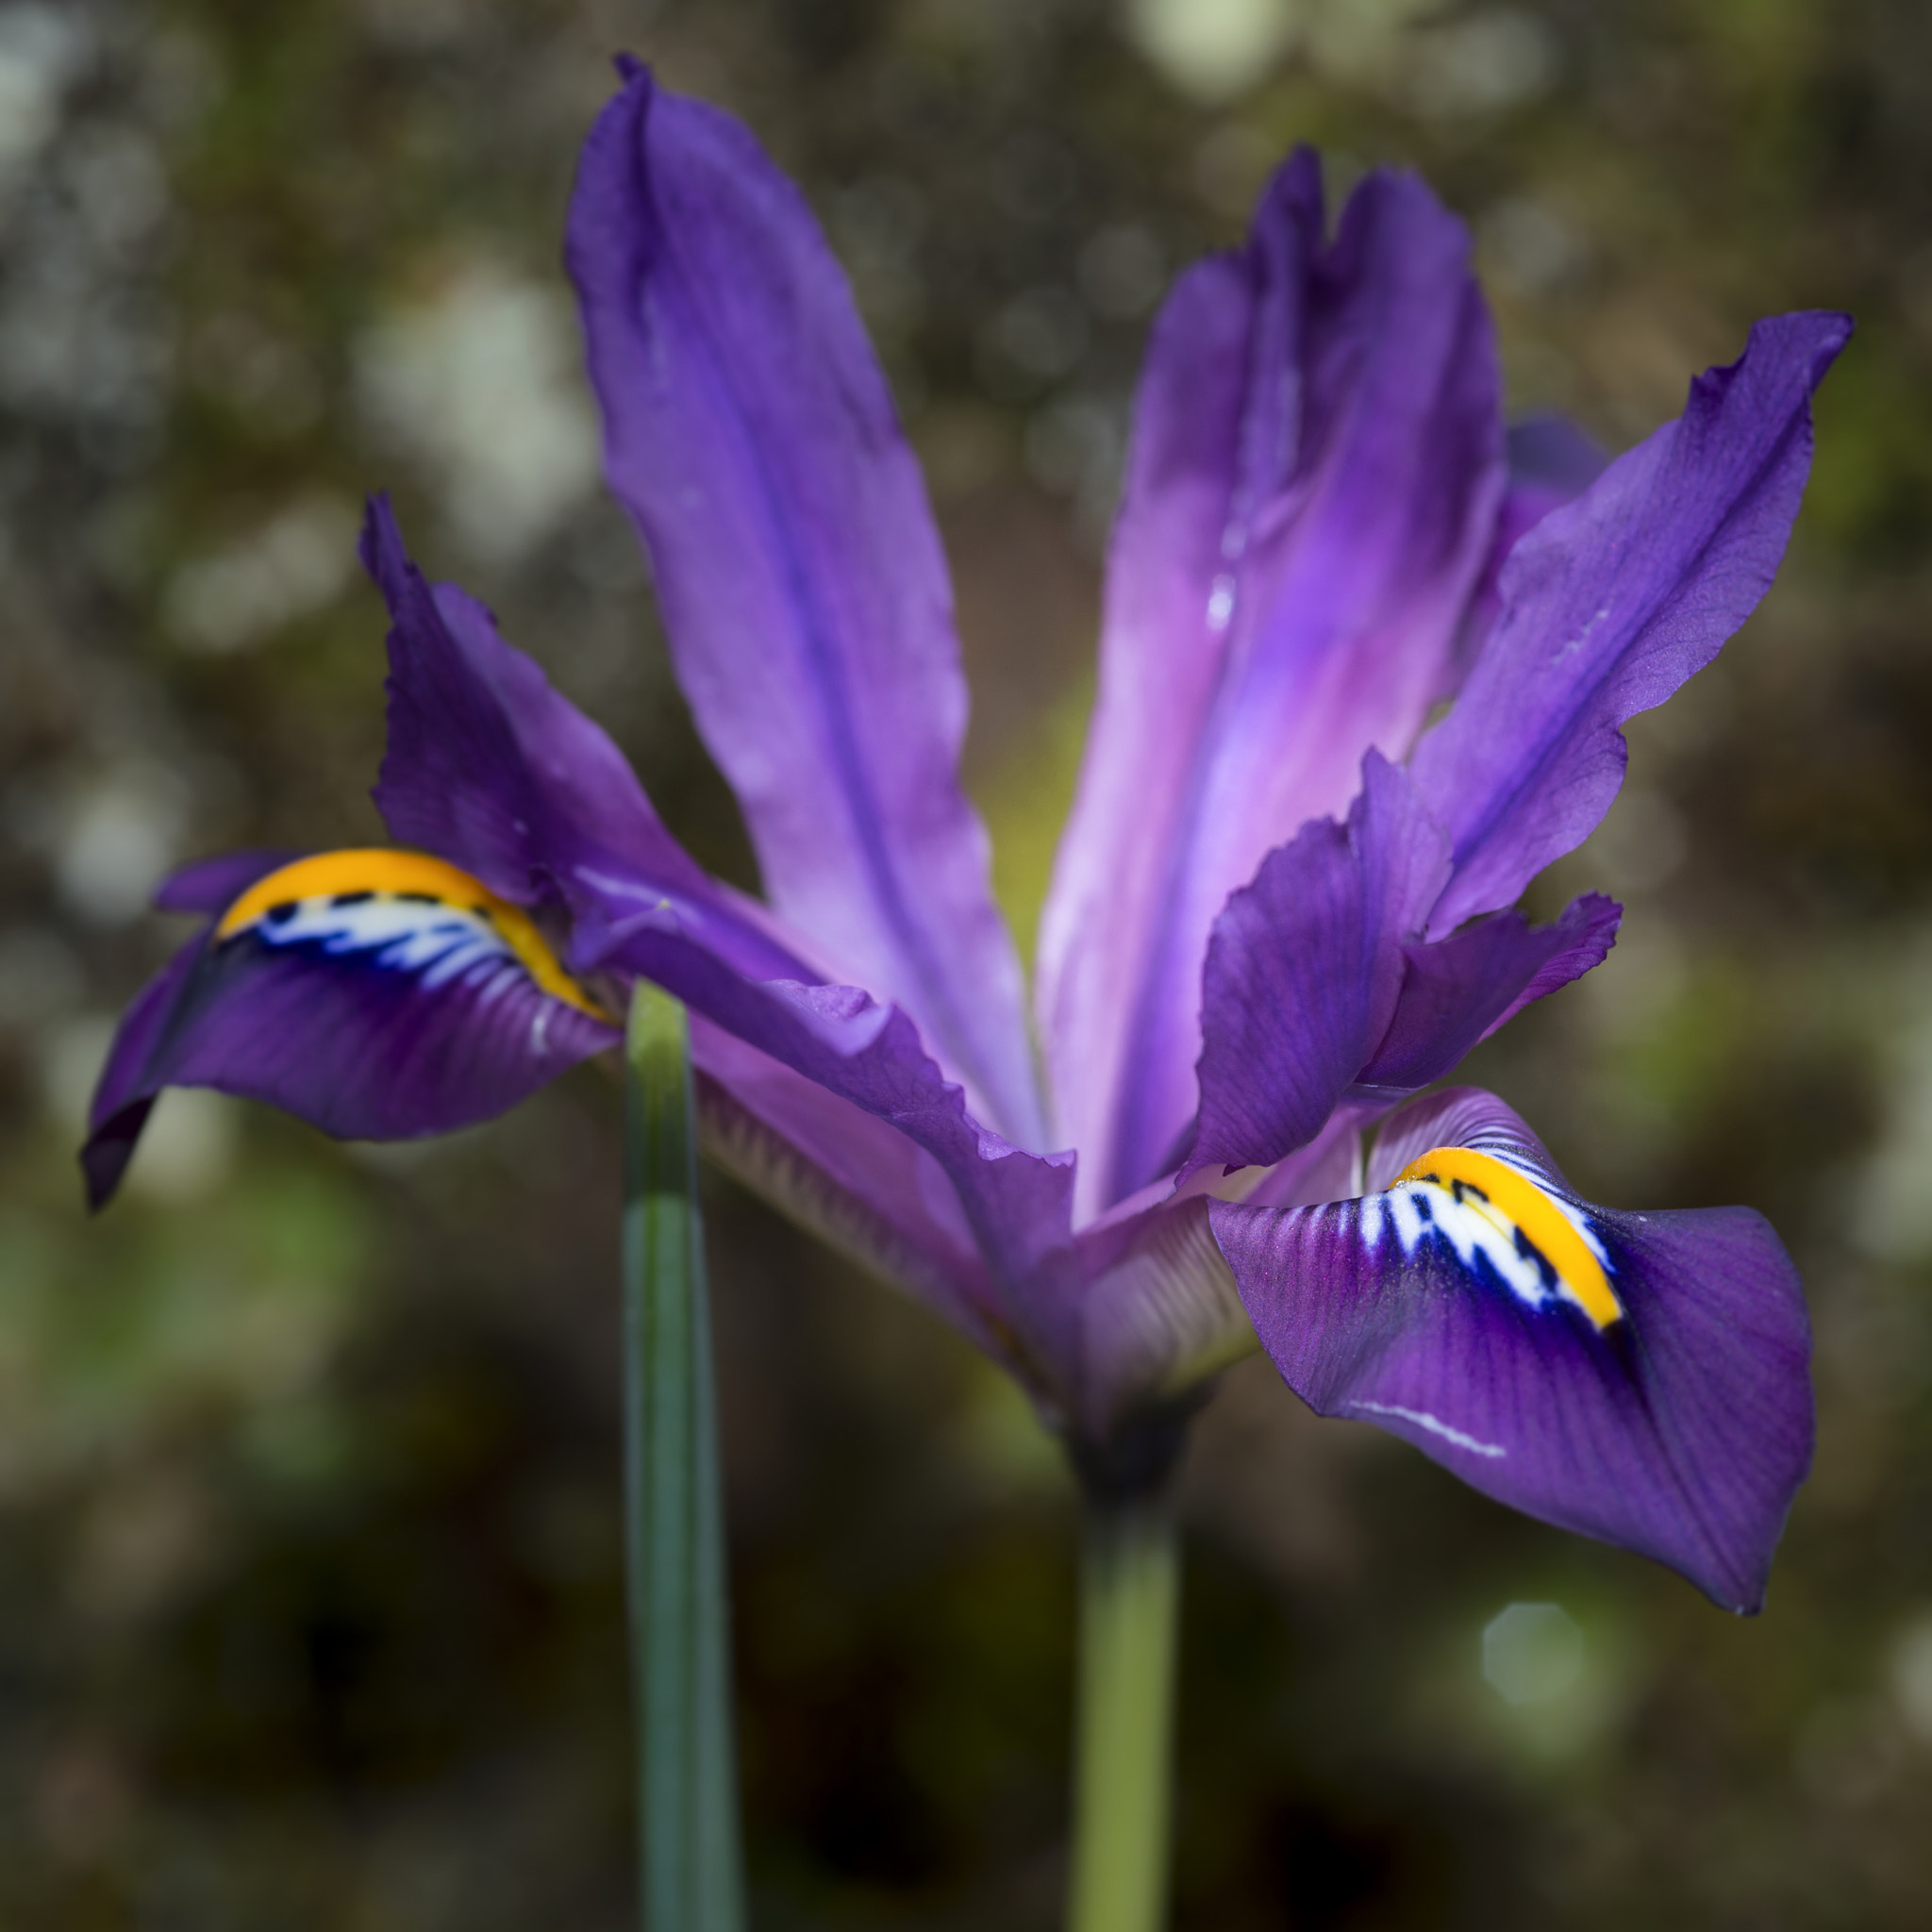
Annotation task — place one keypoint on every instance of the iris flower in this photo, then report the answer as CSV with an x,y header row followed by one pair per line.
x,y
1364,665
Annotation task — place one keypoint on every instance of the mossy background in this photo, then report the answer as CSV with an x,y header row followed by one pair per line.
x,y
310,1553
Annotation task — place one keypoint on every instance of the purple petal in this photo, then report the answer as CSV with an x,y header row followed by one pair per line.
x,y
750,433
124,1096
1016,1204
1161,1314
1314,479
489,768
1642,1378
487,761
1461,989
855,1180
1305,968
1552,462
1159,1309
407,1005
211,885
1610,604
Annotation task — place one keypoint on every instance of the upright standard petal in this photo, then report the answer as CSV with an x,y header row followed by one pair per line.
x,y
1320,987
1311,497
750,434
379,995
1611,603
1642,1378
1305,968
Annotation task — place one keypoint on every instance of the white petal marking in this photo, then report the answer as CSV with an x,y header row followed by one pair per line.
x,y
1472,1227
1434,1424
441,945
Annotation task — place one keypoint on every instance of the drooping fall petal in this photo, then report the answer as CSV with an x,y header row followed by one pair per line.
x,y
380,995
211,886
1638,1378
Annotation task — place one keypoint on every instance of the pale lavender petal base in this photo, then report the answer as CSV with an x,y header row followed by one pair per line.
x,y
1160,1311
855,1180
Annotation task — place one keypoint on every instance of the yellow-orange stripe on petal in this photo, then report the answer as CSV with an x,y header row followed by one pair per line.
x,y
384,873
1513,1204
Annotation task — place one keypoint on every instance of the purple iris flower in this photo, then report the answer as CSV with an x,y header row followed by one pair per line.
x,y
1364,665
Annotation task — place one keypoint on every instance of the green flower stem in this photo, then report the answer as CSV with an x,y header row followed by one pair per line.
x,y
1124,1742
691,1878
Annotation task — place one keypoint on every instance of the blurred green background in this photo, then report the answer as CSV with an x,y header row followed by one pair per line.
x,y
309,1557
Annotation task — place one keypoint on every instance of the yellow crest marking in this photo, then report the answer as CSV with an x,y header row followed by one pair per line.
x,y
1509,1198
392,874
